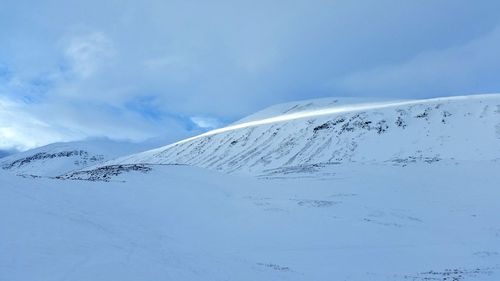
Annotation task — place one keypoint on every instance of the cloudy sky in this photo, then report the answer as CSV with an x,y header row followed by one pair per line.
x,y
169,69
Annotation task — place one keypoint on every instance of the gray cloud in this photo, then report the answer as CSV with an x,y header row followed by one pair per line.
x,y
465,69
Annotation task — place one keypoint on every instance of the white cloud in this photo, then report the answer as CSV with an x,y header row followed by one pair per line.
x,y
21,130
87,53
25,126
206,122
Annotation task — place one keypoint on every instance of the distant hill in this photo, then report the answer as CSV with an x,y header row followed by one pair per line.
x,y
58,158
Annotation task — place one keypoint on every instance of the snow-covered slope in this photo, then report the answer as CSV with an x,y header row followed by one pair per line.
x,y
311,137
55,159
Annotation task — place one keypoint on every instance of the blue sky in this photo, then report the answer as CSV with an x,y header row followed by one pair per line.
x,y
169,69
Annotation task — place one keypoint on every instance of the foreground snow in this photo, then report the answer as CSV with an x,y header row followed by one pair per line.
x,y
435,221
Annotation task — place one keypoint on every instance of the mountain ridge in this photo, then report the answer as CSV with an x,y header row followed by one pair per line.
x,y
390,132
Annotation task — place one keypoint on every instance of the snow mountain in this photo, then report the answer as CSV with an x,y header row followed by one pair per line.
x,y
311,136
318,190
58,158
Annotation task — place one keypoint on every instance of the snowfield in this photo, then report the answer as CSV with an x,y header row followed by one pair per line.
x,y
411,195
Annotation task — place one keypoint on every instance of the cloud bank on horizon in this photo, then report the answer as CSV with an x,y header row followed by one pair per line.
x,y
169,69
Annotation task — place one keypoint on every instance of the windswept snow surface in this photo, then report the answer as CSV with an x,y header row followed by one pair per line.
x,y
391,132
368,223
